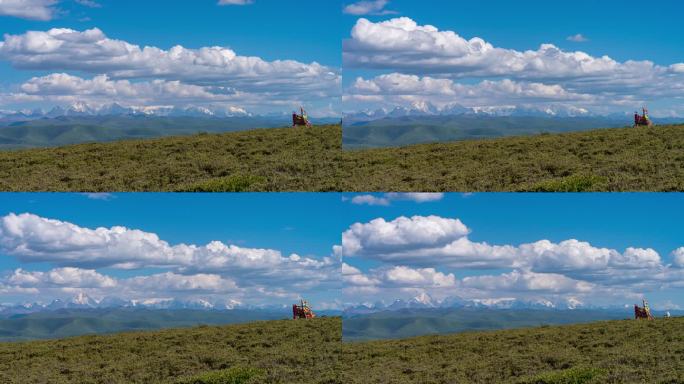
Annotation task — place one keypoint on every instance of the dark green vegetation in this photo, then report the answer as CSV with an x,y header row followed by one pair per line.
x,y
408,130
408,323
285,351
276,159
65,130
625,351
74,322
627,159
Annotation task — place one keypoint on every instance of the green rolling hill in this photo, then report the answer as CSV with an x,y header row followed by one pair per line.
x,y
311,351
287,159
619,351
281,351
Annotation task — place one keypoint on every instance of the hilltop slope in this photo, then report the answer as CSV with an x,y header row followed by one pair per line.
x,y
256,160
624,351
284,351
287,159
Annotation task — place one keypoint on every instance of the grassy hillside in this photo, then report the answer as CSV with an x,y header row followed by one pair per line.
x,y
256,160
283,351
415,322
621,159
74,322
625,159
625,351
286,351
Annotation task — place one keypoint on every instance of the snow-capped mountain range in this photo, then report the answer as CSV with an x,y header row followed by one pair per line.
x,y
424,301
81,109
427,109
83,301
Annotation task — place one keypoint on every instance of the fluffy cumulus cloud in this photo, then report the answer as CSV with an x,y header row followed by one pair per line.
x,y
201,75
401,234
403,44
28,9
60,277
212,268
539,76
396,89
418,252
525,281
678,257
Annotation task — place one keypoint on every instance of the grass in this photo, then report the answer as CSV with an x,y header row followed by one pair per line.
x,y
286,351
235,375
621,159
283,351
290,159
622,351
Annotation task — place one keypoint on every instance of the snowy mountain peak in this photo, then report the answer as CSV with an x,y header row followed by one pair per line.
x,y
83,300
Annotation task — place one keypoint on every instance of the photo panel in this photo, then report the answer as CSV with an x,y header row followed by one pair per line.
x,y
435,71
452,263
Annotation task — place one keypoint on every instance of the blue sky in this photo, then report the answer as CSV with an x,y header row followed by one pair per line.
x,y
606,28
288,223
306,31
611,221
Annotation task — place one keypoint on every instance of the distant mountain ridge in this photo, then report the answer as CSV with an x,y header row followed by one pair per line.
x,y
428,109
425,123
424,301
49,130
83,301
81,109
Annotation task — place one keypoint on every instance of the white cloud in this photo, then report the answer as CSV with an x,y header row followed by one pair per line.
x,y
401,43
177,75
418,197
543,76
403,233
99,196
397,277
60,277
387,198
352,276
417,277
31,238
170,282
368,7
578,38
527,281
410,90
235,2
28,9
369,200
89,3
678,257
408,256
92,51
